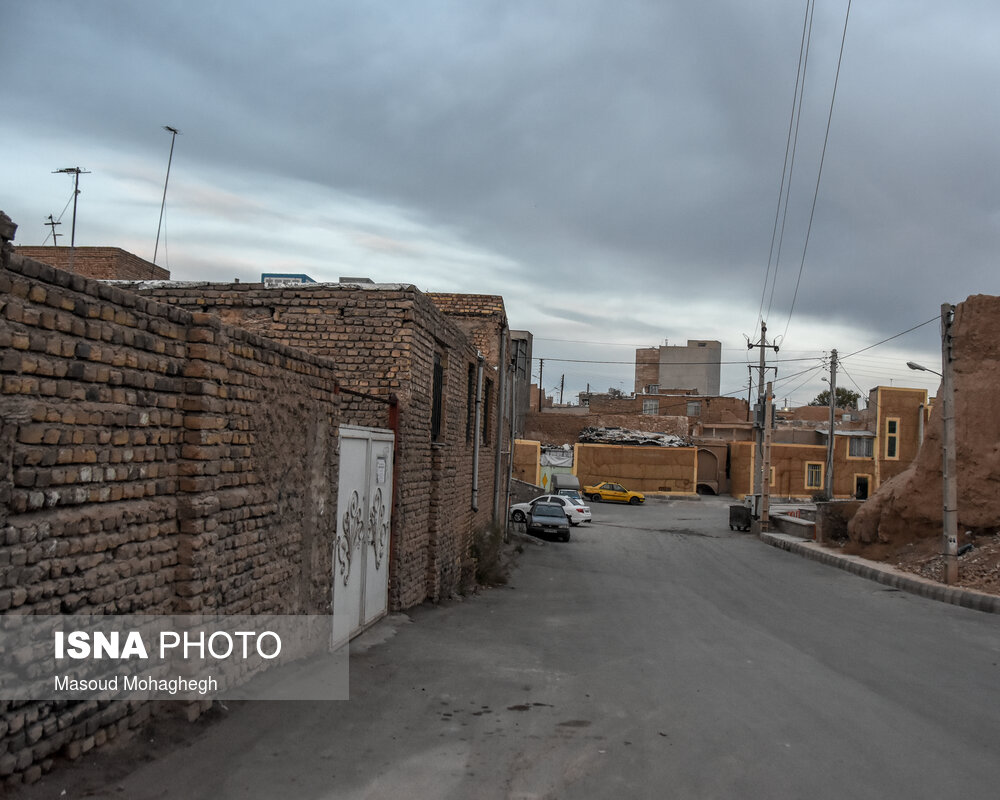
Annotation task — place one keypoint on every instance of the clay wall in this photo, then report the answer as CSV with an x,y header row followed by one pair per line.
x,y
642,469
527,457
909,505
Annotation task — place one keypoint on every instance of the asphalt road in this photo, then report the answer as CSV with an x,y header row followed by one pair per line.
x,y
655,655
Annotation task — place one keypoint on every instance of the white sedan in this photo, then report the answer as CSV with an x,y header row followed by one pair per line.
x,y
575,510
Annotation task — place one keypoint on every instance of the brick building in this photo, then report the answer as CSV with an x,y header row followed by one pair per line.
x,y
101,263
394,340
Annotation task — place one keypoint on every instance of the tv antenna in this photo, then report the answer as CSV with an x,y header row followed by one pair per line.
x,y
55,236
173,137
76,172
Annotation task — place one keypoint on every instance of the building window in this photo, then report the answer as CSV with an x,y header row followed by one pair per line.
x,y
487,396
892,438
653,388
814,475
770,479
436,398
860,447
470,404
651,406
694,408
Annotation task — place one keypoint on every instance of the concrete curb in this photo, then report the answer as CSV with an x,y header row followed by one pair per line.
x,y
890,576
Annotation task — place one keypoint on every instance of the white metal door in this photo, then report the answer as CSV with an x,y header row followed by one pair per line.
x,y
361,551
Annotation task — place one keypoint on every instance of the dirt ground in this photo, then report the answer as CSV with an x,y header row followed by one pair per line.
x,y
978,569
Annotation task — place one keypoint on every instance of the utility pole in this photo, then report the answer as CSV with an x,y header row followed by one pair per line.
x,y
765,498
173,137
55,236
541,391
562,385
75,172
758,480
949,478
828,486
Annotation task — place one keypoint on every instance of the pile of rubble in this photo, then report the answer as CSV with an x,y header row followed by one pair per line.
x,y
625,436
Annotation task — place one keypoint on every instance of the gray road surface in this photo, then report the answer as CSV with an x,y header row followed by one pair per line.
x,y
656,655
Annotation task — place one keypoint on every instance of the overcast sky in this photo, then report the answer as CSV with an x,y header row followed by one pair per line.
x,y
611,168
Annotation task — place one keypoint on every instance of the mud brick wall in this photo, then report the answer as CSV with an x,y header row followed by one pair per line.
x,y
102,263
640,469
383,339
152,460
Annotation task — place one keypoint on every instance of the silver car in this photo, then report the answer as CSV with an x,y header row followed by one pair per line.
x,y
574,508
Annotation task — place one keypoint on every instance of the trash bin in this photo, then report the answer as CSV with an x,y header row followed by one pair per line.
x,y
739,518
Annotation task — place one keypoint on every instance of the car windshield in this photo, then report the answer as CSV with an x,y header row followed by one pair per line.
x,y
549,510
572,494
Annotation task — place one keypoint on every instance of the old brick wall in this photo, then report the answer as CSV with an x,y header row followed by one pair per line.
x,y
647,368
101,263
154,461
383,339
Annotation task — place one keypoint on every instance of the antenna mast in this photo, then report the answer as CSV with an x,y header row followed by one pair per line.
x,y
173,137
55,236
76,172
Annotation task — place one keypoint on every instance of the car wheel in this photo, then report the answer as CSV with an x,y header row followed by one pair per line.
x,y
518,515
634,501
574,524
596,498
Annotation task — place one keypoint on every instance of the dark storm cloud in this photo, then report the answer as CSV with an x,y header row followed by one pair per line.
x,y
644,139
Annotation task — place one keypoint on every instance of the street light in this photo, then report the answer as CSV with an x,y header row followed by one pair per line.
x,y
921,368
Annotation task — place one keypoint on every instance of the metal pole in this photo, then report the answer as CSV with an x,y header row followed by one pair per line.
x,y
828,485
541,365
170,158
949,516
562,385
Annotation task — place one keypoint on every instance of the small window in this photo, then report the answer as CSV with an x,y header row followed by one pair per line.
x,y
694,408
814,475
651,406
892,438
858,447
653,388
436,401
770,480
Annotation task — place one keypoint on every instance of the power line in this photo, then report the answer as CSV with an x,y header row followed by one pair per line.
x,y
686,363
890,338
819,174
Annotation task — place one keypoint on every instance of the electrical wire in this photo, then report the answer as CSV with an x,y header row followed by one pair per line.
x,y
819,174
784,167
890,338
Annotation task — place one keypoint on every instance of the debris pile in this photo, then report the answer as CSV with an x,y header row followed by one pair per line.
x,y
630,437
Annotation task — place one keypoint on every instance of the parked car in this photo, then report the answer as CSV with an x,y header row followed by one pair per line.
x,y
575,509
614,492
549,519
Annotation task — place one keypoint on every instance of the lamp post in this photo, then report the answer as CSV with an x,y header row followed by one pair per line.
x,y
949,489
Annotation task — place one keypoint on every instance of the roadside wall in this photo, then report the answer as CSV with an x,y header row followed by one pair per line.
x,y
154,461
643,469
385,339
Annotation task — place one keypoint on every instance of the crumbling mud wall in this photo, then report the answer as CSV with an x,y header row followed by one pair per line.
x,y
909,505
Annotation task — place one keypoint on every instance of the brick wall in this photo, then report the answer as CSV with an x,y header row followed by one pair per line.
x,y
101,263
155,461
383,339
